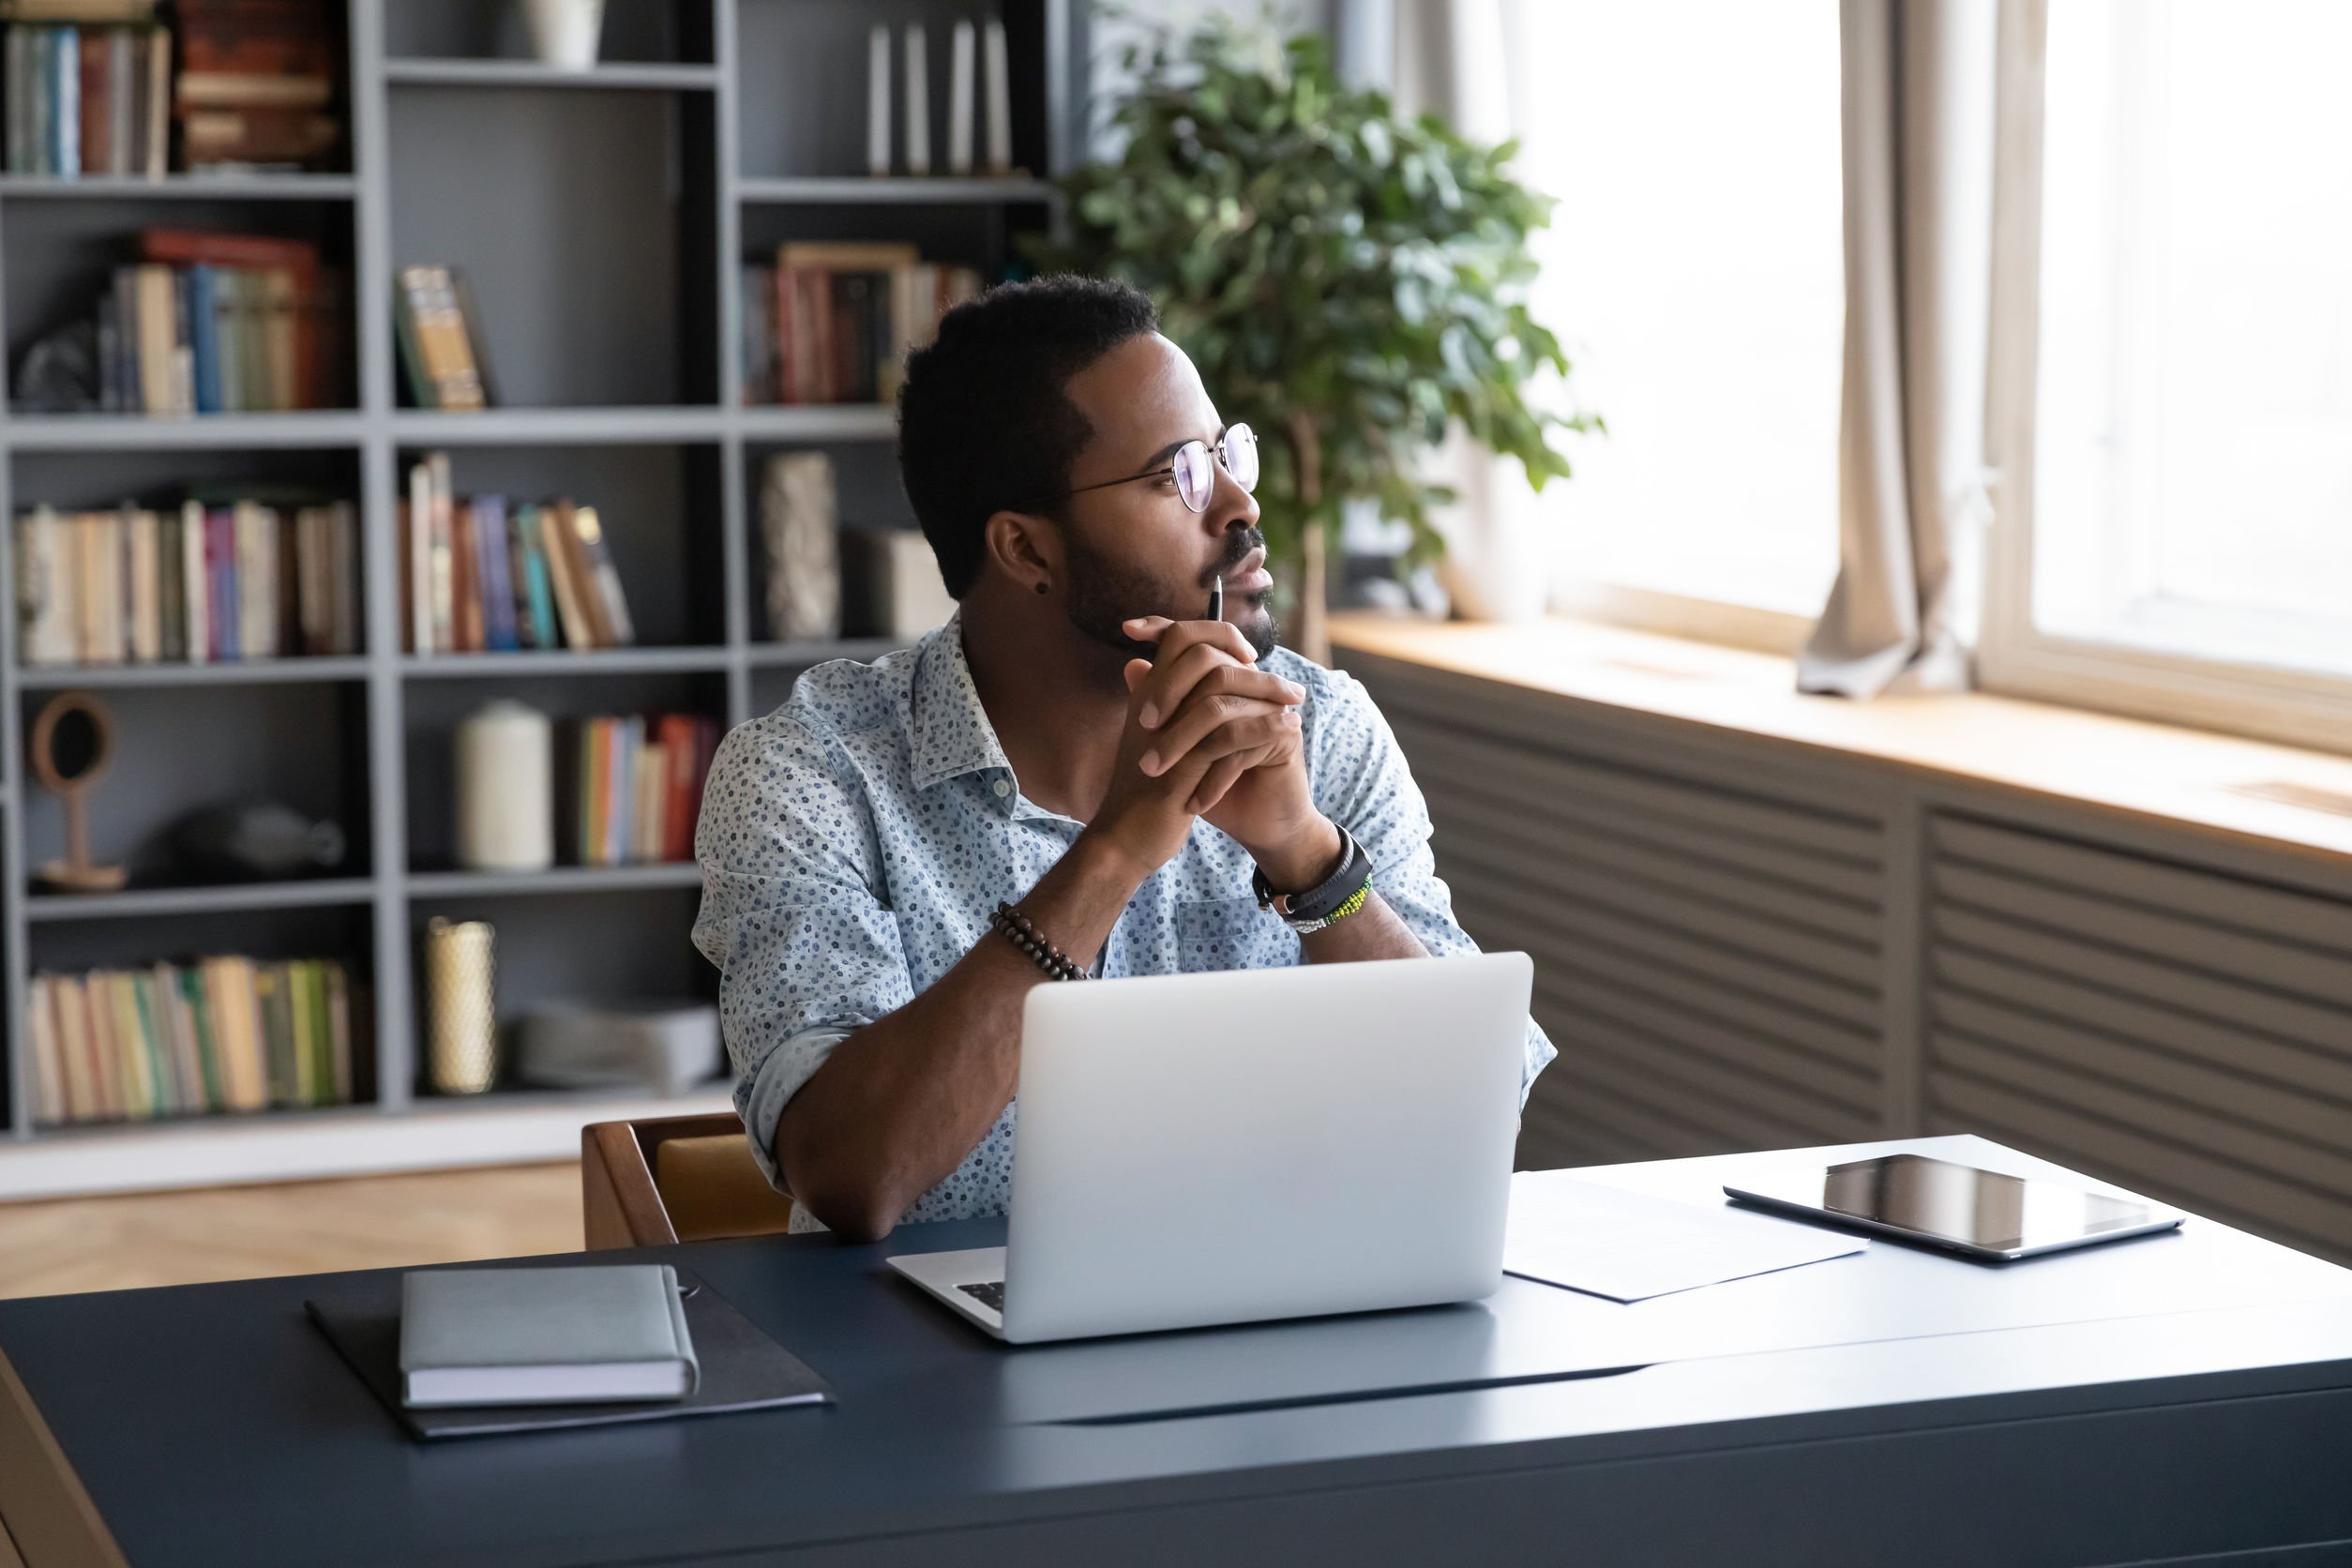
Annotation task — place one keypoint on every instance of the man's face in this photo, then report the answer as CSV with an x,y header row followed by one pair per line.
x,y
1136,548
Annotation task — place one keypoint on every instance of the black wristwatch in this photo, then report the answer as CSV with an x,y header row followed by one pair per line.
x,y
1328,902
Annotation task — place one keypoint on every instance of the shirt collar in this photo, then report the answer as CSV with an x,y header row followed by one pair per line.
x,y
952,735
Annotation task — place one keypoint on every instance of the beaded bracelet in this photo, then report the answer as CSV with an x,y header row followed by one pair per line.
x,y
1045,955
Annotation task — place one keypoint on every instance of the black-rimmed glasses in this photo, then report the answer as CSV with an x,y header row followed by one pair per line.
x,y
1195,474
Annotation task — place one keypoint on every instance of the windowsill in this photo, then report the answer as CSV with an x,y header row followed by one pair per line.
x,y
2176,776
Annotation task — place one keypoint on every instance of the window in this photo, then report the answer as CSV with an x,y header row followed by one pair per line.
x,y
2176,527
1693,269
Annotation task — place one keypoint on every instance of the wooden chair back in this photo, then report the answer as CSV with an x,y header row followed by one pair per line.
x,y
674,1178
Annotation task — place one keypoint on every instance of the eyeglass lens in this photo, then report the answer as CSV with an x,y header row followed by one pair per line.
x,y
1196,471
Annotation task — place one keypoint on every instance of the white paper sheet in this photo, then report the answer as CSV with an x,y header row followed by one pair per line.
x,y
1629,1247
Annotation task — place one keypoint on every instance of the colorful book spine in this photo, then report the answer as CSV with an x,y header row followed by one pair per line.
x,y
224,1032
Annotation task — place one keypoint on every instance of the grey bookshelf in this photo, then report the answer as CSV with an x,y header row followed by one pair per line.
x,y
602,217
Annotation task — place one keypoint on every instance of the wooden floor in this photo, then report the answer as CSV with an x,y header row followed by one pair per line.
x,y
365,1222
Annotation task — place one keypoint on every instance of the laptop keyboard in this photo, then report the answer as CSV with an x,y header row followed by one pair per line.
x,y
991,1295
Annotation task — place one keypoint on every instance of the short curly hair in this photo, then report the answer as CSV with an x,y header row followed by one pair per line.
x,y
983,421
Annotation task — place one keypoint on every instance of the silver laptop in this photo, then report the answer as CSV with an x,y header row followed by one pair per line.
x,y
1225,1148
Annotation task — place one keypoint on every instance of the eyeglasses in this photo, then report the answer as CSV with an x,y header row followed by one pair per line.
x,y
1196,479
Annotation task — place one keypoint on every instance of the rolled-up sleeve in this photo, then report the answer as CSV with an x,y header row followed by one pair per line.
x,y
793,914
1362,781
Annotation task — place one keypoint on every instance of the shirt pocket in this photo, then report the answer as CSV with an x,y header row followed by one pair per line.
x,y
1231,933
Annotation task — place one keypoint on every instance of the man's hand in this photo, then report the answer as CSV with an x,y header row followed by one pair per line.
x,y
1205,690
1180,728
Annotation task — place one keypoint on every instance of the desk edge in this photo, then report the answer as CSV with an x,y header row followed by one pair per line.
x,y
43,1504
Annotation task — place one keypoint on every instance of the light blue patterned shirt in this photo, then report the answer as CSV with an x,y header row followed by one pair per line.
x,y
854,842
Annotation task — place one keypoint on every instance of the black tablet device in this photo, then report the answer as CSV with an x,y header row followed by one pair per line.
x,y
1979,1214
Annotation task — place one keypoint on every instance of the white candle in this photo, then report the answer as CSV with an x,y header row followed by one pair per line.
x,y
505,789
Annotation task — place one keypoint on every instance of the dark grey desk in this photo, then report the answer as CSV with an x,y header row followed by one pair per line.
x,y
2175,1399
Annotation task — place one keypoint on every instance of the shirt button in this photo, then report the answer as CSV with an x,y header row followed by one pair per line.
x,y
1003,789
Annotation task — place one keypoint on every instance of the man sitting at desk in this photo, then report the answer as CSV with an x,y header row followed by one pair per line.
x,y
1130,780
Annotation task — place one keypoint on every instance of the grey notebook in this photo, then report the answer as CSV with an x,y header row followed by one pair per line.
x,y
544,1336
741,1369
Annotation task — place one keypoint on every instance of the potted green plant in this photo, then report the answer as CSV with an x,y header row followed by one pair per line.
x,y
1350,282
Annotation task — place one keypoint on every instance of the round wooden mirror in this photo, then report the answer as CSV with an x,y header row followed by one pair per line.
x,y
71,745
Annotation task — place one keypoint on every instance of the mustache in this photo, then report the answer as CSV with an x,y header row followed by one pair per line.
x,y
1237,548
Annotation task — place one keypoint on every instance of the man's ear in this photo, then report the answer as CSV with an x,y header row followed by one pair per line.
x,y
1025,547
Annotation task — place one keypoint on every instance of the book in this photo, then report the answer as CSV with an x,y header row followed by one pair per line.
x,y
195,582
78,1061
560,541
495,582
513,1336
440,583
437,340
258,84
144,573
193,1000
97,1009
545,631
738,1366
170,1008
465,595
95,13
844,315
52,1105
339,1031
609,606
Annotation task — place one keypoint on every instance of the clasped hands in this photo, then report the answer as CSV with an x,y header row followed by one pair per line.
x,y
1211,735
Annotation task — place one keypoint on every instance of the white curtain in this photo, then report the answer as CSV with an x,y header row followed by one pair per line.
x,y
1912,507
1454,58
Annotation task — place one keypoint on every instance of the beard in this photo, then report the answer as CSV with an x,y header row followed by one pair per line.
x,y
1104,593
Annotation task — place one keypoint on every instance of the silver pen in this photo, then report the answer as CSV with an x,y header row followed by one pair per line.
x,y
1216,601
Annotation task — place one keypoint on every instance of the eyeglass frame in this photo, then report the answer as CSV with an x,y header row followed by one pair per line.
x,y
1215,447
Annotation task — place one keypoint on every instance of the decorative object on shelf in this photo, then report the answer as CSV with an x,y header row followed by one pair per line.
x,y
505,777
438,330
918,101
670,1048
71,745
1329,332
890,582
798,528
461,1007
878,103
216,580
962,67
565,32
60,373
222,1033
1000,99
256,841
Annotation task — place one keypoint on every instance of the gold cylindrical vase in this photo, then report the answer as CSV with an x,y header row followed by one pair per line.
x,y
461,1007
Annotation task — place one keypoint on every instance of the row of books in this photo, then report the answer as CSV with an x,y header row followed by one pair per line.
x,y
484,576
91,86
88,101
833,322
218,324
222,1033
203,584
259,83
640,786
